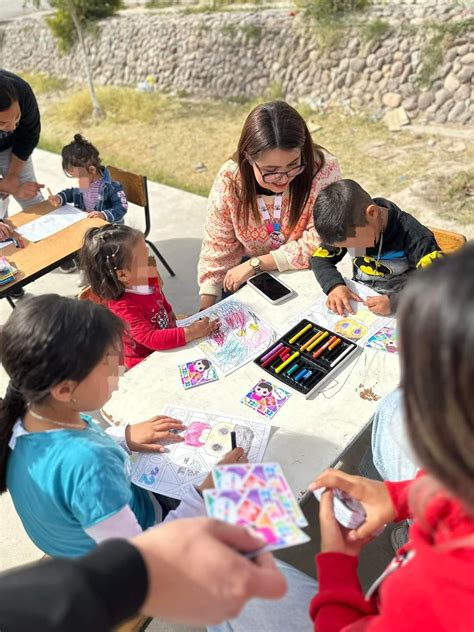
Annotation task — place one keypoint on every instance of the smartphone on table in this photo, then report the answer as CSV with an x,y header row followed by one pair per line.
x,y
270,287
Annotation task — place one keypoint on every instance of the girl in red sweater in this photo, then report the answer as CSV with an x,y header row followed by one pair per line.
x,y
115,261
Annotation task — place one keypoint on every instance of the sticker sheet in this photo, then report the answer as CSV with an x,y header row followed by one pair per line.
x,y
266,398
385,340
197,373
260,476
347,511
258,508
206,440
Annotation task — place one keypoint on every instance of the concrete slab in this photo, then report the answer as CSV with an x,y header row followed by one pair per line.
x,y
177,228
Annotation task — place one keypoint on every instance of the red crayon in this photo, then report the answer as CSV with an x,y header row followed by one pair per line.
x,y
271,358
321,350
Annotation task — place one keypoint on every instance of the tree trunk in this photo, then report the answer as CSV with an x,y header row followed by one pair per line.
x,y
97,111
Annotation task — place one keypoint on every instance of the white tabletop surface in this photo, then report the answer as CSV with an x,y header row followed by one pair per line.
x,y
307,435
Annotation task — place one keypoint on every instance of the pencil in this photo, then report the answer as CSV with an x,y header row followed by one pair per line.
x,y
233,440
49,191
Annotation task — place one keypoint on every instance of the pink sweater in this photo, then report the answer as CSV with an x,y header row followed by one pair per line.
x,y
227,239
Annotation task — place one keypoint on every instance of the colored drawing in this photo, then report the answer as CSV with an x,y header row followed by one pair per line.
x,y
385,340
266,398
358,326
241,336
206,440
197,373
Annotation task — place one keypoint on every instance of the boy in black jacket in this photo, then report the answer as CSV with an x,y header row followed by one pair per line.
x,y
385,242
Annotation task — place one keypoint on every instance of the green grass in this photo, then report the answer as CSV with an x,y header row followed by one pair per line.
x,y
44,84
375,30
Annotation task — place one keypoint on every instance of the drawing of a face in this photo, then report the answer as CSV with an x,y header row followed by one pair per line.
x,y
263,389
218,439
351,329
202,365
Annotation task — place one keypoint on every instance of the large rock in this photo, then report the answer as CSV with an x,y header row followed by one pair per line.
x,y
391,99
397,69
451,83
466,74
467,59
410,103
358,65
457,110
425,100
442,96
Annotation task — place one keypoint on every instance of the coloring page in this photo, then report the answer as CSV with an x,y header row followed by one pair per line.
x,y
242,335
206,440
357,327
51,223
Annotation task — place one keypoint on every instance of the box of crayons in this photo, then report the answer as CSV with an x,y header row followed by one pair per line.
x,y
307,356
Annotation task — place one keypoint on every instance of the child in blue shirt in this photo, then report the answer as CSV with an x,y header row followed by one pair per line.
x,y
70,480
97,193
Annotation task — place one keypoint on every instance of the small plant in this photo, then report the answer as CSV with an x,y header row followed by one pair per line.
x,y
375,30
252,32
42,83
329,9
230,30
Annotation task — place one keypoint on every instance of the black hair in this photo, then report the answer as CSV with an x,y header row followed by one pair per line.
x,y
48,339
80,153
104,251
266,385
338,209
436,320
8,93
205,362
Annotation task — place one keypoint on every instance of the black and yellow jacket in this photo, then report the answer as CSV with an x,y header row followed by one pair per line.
x,y
406,245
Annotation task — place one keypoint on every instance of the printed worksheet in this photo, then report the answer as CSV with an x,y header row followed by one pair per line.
x,y
358,326
206,440
242,335
52,223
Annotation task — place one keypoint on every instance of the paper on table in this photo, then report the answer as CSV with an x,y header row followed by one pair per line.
x,y
4,244
358,326
52,223
206,440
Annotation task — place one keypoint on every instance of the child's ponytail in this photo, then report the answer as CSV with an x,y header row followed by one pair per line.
x,y
12,407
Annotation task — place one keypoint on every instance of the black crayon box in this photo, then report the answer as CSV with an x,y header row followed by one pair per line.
x,y
307,356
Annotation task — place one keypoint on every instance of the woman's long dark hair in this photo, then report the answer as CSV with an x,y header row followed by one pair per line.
x,y
46,340
436,318
276,125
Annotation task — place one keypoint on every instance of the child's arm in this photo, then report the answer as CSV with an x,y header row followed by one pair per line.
x,y
115,205
67,195
323,264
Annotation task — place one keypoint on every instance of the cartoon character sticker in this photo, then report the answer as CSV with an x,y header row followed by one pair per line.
x,y
198,372
266,398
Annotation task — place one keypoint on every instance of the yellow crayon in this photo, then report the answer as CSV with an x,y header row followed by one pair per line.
x,y
311,340
334,344
287,362
318,340
300,333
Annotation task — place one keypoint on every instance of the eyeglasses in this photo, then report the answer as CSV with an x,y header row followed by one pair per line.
x,y
276,176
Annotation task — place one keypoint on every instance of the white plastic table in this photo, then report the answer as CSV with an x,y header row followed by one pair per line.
x,y
307,435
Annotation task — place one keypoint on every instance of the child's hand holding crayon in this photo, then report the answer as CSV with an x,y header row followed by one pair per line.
x,y
5,231
55,200
236,455
201,328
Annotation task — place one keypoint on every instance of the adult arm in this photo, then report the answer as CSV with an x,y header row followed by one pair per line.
x,y
28,131
296,253
221,250
93,593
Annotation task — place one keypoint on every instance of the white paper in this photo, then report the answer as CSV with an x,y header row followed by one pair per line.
x,y
358,327
52,223
207,440
242,334
4,244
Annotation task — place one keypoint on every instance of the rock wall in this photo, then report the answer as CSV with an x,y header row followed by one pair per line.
x,y
408,55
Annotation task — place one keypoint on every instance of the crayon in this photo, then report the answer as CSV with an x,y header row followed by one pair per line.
x,y
320,338
300,375
269,353
233,440
287,362
340,357
322,349
292,369
285,356
304,339
270,359
334,344
310,341
308,374
300,333
20,241
49,192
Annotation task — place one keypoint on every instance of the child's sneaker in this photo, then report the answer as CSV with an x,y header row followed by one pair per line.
x,y
69,267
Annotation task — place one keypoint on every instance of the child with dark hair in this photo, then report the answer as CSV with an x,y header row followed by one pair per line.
x,y
97,193
385,242
70,480
114,259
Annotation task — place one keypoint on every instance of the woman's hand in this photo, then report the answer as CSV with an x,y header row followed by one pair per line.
x,y
335,537
5,231
147,435
237,455
236,276
373,495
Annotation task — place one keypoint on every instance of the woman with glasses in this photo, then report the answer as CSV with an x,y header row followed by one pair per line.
x,y
260,206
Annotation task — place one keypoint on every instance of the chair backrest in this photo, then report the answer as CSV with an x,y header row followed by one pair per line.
x,y
88,295
134,185
447,240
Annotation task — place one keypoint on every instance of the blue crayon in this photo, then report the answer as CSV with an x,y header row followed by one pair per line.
x,y
292,369
308,374
300,375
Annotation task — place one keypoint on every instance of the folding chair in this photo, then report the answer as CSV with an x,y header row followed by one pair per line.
x,y
448,241
136,190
